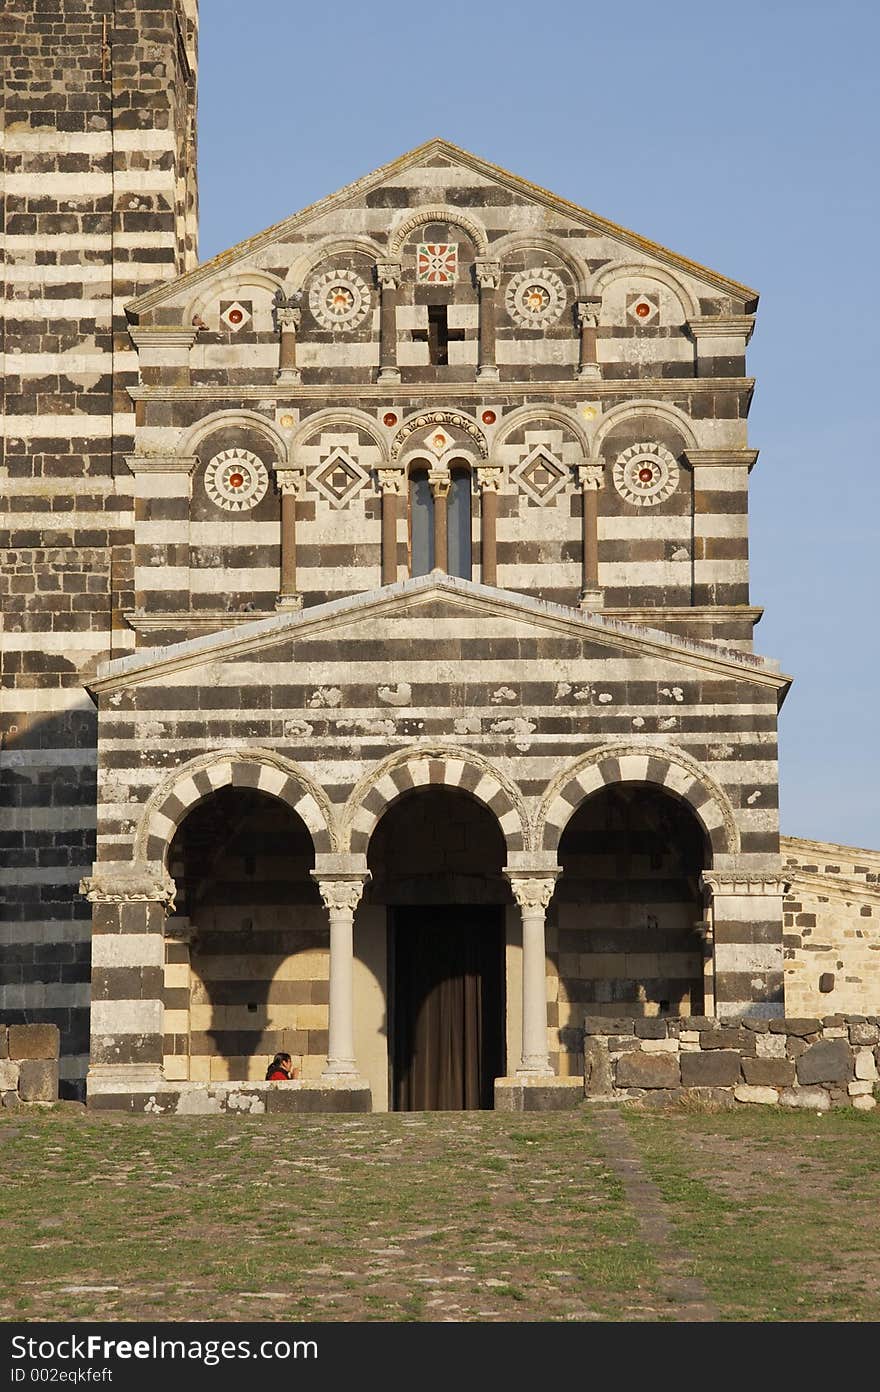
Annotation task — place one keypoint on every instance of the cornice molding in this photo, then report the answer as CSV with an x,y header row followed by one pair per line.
x,y
722,326
726,458
162,336
450,391
161,463
204,621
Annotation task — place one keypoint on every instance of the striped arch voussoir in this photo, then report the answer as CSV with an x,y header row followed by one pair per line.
x,y
639,765
266,776
435,769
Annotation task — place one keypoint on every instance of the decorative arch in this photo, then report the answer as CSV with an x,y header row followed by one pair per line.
x,y
327,250
437,213
525,415
190,439
527,241
333,416
235,283
673,414
241,768
449,457
434,766
639,763
425,419
606,274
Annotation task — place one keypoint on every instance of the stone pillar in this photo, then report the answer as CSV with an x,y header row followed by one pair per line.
x,y
744,908
290,485
720,342
389,273
588,311
721,493
180,935
288,319
533,895
591,477
392,482
440,480
163,354
488,276
128,978
703,927
162,490
489,480
341,893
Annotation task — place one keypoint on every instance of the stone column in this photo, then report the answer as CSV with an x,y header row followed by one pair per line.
x,y
533,895
588,311
128,978
721,492
290,485
389,273
744,908
488,276
341,894
288,319
703,927
591,477
489,480
392,483
440,480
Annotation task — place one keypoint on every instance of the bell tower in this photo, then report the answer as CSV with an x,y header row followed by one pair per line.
x,y
98,172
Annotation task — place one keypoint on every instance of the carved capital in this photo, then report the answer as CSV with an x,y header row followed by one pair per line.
x,y
738,882
439,479
130,887
591,477
532,895
291,482
389,274
588,312
488,274
392,481
341,895
490,479
288,318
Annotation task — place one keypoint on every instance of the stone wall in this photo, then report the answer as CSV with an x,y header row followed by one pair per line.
x,y
832,927
787,1062
28,1064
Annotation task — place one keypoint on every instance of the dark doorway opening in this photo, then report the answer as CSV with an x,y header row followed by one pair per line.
x,y
447,1006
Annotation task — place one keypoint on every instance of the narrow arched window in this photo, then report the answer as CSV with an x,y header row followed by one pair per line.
x,y
459,522
421,522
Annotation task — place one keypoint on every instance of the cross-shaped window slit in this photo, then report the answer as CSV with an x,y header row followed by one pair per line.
x,y
438,335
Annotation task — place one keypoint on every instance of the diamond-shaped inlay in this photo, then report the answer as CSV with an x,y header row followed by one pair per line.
x,y
438,441
642,309
437,262
541,474
235,314
340,477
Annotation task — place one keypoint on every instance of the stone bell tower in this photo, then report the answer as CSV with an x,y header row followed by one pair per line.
x,y
98,150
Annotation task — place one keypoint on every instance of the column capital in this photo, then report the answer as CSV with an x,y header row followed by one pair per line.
x,y
291,482
591,477
440,480
721,326
588,311
743,882
392,481
490,478
488,273
129,887
389,274
288,318
341,892
532,893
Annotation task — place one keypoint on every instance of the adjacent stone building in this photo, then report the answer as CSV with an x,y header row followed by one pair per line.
x,y
378,622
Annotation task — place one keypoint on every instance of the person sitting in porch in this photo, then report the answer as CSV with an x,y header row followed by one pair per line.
x,y
281,1069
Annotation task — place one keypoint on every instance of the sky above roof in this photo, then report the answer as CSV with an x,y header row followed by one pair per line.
x,y
743,138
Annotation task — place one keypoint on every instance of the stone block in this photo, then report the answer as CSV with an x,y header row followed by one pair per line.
x,y
727,1039
650,1029
4,1043
794,1047
864,1104
689,1036
768,1072
718,1068
770,1046
864,1034
38,1080
796,1026
11,1101
34,1041
865,1066
659,1046
755,1025
8,1075
641,1070
748,1092
597,1069
860,1089
829,1061
698,1023
606,1024
814,1098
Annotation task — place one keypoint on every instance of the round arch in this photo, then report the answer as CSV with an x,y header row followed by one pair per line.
x,y
191,438
527,241
525,415
333,416
243,768
328,250
437,212
666,768
606,274
425,419
673,414
453,455
235,282
434,766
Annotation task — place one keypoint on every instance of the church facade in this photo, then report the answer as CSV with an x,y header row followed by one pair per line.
x,y
379,627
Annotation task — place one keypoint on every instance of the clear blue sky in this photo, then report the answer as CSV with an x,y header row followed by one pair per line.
x,y
743,136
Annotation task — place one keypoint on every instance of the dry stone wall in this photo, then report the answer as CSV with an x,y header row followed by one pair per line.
x,y
28,1064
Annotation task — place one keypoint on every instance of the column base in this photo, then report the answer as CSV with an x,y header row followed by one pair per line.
x,y
388,374
550,1094
288,377
341,1073
291,603
589,372
486,373
592,599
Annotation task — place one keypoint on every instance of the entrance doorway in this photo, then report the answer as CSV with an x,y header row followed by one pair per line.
x,y
447,1006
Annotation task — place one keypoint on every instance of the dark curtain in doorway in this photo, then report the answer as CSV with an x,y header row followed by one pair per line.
x,y
448,1008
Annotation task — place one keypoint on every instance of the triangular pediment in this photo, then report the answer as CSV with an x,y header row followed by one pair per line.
x,y
487,612
438,154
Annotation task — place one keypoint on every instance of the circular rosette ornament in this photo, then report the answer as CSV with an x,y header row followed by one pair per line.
x,y
236,480
645,474
535,299
339,299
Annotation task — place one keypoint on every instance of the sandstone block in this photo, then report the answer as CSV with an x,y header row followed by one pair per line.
x,y
597,1069
795,1026
770,1046
864,1034
641,1070
865,1104
829,1061
34,1041
860,1089
690,1036
814,1098
718,1068
8,1075
768,1072
747,1092
660,1046
38,1080
866,1065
